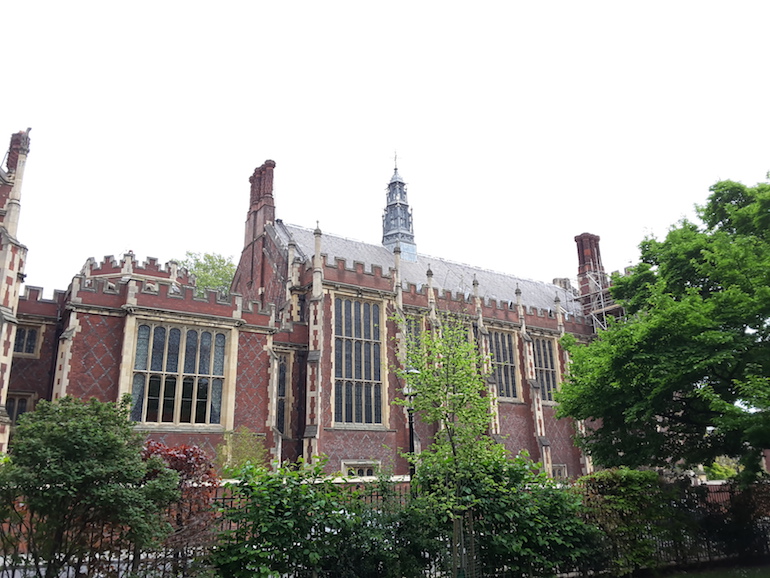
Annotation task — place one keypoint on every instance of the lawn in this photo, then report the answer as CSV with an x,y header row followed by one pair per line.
x,y
753,572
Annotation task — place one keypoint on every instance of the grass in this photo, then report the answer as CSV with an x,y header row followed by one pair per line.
x,y
755,572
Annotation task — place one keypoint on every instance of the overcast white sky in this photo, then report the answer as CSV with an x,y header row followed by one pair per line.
x,y
517,124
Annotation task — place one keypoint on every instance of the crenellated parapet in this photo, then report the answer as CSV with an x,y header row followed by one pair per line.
x,y
126,285
356,274
110,267
32,303
33,293
499,311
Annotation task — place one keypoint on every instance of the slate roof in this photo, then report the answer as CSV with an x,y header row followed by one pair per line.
x,y
447,275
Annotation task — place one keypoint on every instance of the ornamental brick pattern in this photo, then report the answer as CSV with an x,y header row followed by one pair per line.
x,y
516,429
340,445
560,434
252,382
96,355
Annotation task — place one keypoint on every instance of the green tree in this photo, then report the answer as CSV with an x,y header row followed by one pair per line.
x,y
445,386
241,447
468,489
212,271
720,471
683,378
75,472
445,376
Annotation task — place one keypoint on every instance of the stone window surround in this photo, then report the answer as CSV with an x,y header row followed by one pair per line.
x,y
231,327
512,363
546,390
28,397
23,329
384,372
360,469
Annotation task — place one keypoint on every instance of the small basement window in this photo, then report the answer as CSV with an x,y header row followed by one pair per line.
x,y
360,469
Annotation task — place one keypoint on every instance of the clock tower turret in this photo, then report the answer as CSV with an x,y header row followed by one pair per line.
x,y
397,227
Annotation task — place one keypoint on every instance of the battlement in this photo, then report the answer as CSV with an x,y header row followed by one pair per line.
x,y
358,267
32,304
129,265
32,293
494,309
118,283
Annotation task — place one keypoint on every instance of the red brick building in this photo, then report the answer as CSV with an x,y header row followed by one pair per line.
x,y
302,350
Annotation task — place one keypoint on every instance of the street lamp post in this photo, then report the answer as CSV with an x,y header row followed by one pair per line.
x,y
410,413
410,394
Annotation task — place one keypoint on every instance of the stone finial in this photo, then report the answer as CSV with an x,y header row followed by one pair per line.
x,y
317,261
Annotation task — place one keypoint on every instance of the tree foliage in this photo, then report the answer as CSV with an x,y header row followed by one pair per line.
x,y
720,470
298,521
212,271
626,505
683,378
468,489
241,447
75,473
192,515
445,376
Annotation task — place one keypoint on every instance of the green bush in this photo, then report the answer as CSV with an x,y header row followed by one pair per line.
x,y
645,521
297,520
75,475
513,518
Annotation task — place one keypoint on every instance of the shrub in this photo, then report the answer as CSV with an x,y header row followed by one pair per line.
x,y
75,475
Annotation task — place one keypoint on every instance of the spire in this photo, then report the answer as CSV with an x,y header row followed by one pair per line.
x,y
397,228
396,178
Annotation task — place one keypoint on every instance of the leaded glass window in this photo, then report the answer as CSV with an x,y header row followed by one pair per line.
x,y
545,369
357,362
26,340
179,375
17,404
280,395
504,363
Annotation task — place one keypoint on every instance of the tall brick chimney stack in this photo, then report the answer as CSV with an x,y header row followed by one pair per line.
x,y
591,274
594,282
251,275
262,206
19,146
589,256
